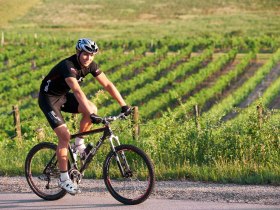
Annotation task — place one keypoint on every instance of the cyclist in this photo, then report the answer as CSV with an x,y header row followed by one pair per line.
x,y
55,96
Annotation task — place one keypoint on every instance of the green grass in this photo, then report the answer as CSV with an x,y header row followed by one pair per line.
x,y
228,153
221,172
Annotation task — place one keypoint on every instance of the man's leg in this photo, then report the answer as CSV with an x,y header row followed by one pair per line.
x,y
65,182
72,106
63,135
85,125
85,122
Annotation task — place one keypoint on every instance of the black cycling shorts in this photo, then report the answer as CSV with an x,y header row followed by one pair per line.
x,y
53,105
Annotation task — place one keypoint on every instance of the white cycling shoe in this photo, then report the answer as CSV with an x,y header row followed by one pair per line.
x,y
69,186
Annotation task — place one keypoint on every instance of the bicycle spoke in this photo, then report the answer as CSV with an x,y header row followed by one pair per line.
x,y
136,184
42,172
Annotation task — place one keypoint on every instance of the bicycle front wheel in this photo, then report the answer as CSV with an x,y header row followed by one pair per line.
x,y
42,172
129,174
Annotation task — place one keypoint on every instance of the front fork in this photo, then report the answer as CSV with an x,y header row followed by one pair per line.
x,y
122,164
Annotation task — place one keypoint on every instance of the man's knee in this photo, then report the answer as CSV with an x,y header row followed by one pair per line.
x,y
62,133
93,107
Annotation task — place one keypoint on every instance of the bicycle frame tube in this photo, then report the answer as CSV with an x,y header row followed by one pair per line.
x,y
106,133
86,133
50,163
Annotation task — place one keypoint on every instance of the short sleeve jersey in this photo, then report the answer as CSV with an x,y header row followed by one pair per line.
x,y
54,83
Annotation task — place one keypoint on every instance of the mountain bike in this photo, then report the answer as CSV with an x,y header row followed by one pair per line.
x,y
128,172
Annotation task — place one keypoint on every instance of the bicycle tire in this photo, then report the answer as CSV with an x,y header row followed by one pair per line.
x,y
43,184
136,188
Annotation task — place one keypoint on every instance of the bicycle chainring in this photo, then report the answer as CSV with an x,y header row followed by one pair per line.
x,y
75,175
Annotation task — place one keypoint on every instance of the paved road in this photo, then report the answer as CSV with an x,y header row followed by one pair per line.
x,y
17,201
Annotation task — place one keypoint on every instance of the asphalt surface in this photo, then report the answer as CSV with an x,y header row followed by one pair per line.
x,y
31,201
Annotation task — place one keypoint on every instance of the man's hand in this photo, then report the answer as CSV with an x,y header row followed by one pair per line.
x,y
95,119
126,110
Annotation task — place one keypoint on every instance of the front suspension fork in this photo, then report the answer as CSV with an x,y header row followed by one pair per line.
x,y
122,164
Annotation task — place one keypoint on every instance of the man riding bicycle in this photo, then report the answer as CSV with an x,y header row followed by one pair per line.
x,y
55,96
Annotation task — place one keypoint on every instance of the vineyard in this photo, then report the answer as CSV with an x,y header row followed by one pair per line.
x,y
208,106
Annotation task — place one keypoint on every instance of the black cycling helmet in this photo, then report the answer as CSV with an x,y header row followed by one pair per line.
x,y
85,44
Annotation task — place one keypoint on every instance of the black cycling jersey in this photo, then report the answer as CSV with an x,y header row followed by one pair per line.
x,y
54,95
54,83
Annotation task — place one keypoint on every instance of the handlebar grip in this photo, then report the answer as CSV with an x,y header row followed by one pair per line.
x,y
126,110
96,119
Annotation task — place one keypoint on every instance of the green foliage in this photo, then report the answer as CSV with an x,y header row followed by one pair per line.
x,y
165,78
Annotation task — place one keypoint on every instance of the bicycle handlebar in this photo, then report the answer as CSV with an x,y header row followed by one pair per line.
x,y
121,116
106,120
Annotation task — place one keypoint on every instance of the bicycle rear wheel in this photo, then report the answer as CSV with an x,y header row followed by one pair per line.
x,y
42,172
138,181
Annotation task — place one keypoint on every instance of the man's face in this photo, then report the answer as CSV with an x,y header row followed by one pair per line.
x,y
86,58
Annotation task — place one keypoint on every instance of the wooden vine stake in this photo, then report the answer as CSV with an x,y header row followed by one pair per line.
x,y
17,122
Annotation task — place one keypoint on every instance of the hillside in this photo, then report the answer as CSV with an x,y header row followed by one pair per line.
x,y
8,8
144,19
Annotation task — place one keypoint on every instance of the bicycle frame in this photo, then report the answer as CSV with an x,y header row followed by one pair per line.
x,y
107,132
121,160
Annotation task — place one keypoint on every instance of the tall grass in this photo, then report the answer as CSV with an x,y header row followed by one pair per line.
x,y
226,153
230,153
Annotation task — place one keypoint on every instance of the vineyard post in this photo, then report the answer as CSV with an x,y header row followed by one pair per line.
x,y
17,121
135,121
260,115
196,114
